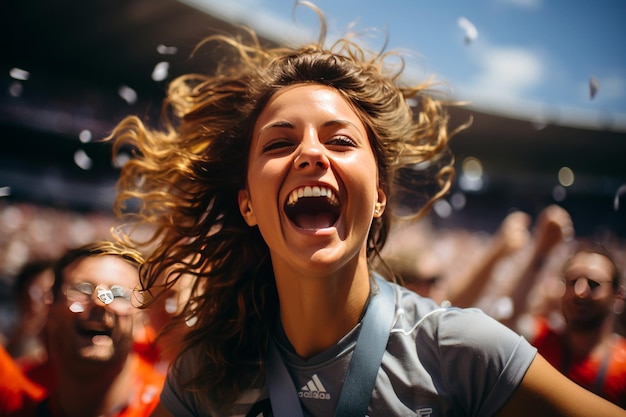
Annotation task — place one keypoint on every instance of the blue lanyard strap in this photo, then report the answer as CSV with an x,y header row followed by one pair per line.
x,y
362,370
283,395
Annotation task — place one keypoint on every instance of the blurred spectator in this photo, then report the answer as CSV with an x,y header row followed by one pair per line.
x,y
587,349
511,236
32,294
422,270
92,369
553,230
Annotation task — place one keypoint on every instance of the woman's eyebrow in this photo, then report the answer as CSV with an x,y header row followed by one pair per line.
x,y
279,124
341,122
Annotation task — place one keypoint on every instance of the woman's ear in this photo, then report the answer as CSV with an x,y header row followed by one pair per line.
x,y
245,207
379,207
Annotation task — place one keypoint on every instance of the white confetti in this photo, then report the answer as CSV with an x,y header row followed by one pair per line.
x,y
621,190
82,160
85,136
471,33
19,74
161,71
128,94
167,50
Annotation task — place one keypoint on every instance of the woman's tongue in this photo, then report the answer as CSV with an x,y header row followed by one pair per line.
x,y
308,221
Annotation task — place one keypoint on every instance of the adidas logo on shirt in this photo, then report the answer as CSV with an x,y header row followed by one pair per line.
x,y
314,389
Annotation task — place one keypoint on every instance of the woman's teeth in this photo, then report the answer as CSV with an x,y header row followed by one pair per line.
x,y
315,191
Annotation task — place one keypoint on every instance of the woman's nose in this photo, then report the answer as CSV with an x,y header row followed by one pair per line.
x,y
312,154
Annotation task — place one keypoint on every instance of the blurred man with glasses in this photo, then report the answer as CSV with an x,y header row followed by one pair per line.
x,y
92,368
587,349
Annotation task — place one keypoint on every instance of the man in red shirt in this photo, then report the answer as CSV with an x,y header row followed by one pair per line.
x,y
587,350
92,369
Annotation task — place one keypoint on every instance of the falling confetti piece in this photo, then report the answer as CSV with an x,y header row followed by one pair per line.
x,y
19,74
621,190
128,94
121,159
85,136
470,30
160,71
167,50
594,86
82,160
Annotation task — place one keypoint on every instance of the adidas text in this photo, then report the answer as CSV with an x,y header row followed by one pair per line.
x,y
314,395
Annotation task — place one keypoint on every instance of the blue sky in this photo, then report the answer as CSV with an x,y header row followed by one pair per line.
x,y
532,59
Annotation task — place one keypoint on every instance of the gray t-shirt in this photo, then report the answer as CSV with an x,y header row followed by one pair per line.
x,y
438,362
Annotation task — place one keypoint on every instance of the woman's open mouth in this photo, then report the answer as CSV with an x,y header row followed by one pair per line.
x,y
313,207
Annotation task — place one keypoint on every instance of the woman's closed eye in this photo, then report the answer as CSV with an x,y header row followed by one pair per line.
x,y
335,142
277,144
341,140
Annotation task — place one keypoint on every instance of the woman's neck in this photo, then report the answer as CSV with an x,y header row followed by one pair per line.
x,y
316,312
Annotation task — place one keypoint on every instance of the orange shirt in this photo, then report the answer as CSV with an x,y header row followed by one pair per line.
x,y
148,384
17,392
604,376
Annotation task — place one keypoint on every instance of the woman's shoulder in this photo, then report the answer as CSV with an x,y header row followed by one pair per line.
x,y
416,308
417,314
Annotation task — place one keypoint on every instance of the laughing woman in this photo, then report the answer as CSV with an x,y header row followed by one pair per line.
x,y
271,184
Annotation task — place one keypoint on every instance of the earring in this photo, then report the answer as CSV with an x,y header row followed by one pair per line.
x,y
377,209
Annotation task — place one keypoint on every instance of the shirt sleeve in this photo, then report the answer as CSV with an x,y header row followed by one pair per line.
x,y
482,360
178,402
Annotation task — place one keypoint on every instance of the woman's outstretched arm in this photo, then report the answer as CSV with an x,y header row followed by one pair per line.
x,y
544,391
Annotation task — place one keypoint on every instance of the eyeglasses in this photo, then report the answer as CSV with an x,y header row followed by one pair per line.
x,y
593,284
115,297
